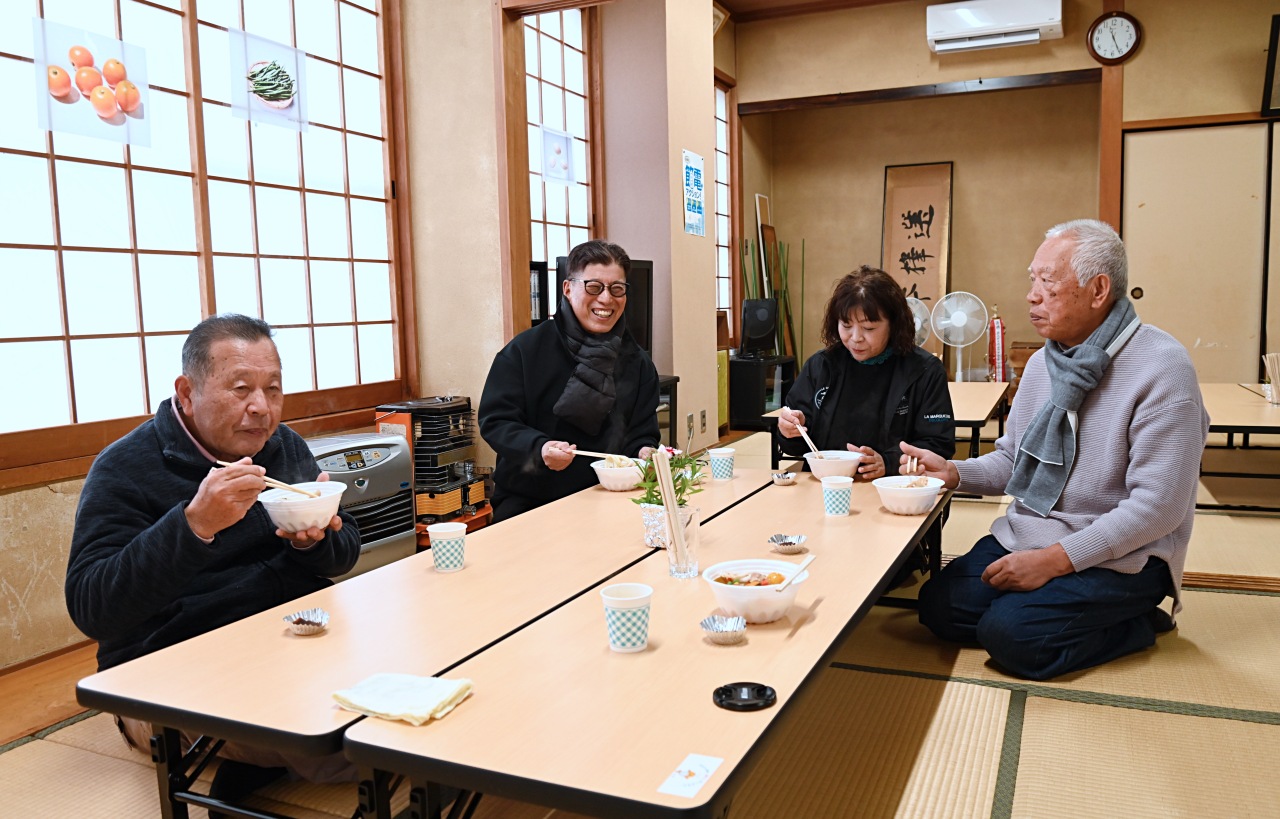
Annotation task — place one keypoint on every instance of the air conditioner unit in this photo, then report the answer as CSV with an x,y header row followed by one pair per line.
x,y
978,24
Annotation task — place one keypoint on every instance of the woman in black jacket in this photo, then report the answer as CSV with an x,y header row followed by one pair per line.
x,y
871,388
577,381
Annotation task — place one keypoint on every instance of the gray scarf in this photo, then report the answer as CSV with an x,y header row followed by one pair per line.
x,y
1048,447
590,393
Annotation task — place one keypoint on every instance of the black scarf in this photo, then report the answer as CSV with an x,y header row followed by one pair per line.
x,y
589,396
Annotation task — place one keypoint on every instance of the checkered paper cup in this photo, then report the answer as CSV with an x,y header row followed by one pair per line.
x,y
837,494
626,616
721,463
448,545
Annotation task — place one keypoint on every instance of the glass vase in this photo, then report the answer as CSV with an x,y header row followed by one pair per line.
x,y
656,536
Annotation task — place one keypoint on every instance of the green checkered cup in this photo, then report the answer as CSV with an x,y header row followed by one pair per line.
x,y
448,545
837,495
626,616
721,463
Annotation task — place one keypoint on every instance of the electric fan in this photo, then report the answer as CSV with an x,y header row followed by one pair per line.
x,y
959,319
919,312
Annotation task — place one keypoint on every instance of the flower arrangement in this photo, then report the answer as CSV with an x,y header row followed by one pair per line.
x,y
686,470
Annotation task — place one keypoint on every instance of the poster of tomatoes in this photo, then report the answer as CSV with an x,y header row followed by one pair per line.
x,y
90,84
267,81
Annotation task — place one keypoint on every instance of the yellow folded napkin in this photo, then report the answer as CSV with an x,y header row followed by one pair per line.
x,y
404,696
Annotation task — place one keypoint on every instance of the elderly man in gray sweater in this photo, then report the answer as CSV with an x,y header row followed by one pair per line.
x,y
1101,455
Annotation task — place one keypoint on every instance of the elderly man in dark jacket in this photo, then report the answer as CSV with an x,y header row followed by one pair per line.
x,y
167,545
580,380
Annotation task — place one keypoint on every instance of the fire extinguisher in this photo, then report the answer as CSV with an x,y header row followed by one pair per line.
x,y
995,346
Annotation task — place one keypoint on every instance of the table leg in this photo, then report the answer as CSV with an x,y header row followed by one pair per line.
x,y
166,753
975,442
375,796
427,801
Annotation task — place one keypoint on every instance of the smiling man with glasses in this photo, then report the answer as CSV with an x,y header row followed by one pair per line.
x,y
579,380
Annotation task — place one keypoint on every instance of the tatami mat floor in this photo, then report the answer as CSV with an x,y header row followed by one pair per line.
x,y
904,726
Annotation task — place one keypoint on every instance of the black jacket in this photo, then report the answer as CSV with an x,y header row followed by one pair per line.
x,y
516,418
917,408
139,579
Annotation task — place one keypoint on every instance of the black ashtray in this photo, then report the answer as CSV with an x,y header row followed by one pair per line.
x,y
744,696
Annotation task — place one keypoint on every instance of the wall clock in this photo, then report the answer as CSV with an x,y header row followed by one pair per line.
x,y
1114,37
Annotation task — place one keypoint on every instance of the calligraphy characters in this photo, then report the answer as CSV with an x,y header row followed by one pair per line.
x,y
913,260
918,222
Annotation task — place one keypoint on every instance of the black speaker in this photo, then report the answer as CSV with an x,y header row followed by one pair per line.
x,y
759,327
639,310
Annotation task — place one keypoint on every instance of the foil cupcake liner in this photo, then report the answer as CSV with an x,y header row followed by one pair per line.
x,y
308,621
788,544
784,478
724,631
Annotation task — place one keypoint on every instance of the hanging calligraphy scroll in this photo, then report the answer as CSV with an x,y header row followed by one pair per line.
x,y
915,245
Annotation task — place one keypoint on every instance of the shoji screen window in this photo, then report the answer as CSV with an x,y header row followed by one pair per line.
x,y
724,204
299,222
556,68
110,253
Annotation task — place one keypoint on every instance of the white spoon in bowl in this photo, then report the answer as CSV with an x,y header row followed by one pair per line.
x,y
804,564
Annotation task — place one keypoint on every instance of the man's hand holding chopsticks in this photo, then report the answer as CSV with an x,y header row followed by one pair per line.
x,y
224,497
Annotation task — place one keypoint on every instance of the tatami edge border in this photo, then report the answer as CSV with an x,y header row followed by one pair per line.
x,y
1010,754
44,732
1190,709
66,723
17,743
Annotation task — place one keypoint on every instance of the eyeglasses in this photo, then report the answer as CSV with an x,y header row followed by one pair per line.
x,y
594,288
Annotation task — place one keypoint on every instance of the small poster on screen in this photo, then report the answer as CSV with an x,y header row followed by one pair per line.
x,y
557,156
90,84
268,80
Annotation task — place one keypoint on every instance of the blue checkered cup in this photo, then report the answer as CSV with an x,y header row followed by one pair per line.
x,y
626,616
837,495
448,545
721,463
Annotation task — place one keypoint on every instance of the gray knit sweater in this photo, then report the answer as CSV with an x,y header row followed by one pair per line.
x,y
1132,491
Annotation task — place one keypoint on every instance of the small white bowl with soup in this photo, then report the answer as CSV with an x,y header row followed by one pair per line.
x,y
618,474
833,462
748,588
293,512
907,494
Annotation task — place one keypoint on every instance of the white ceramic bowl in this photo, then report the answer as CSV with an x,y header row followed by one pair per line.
x,y
833,462
616,478
293,512
758,604
907,500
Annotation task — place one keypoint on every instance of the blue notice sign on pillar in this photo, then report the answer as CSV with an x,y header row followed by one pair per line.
x,y
695,218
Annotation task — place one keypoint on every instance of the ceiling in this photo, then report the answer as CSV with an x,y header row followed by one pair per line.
x,y
744,11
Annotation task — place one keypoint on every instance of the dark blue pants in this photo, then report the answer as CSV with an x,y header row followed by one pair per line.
x,y
1075,621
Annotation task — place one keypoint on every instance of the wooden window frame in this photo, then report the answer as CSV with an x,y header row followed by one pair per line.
x,y
588,52
513,147
736,217
37,456
723,82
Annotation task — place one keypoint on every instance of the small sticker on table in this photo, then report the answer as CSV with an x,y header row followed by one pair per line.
x,y
692,774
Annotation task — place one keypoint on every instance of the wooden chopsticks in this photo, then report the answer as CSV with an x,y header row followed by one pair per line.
x,y
807,439
281,484
600,454
662,469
